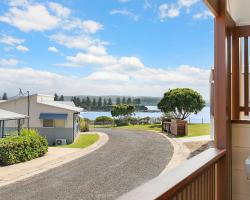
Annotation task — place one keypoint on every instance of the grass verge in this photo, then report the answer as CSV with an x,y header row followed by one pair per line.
x,y
193,129
83,141
198,129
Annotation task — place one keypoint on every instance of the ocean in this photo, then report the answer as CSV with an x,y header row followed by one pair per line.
x,y
203,116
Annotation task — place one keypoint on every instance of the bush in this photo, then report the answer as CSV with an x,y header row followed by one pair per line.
x,y
133,120
27,146
104,120
145,120
84,125
121,122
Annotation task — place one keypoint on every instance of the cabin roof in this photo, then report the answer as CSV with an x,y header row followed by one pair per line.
x,y
7,115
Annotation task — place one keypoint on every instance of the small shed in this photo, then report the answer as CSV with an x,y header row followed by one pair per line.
x,y
7,117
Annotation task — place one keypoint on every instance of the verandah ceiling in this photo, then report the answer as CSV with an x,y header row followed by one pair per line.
x,y
240,11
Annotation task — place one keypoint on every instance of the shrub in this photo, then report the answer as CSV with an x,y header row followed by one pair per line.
x,y
84,125
121,122
27,146
122,110
133,120
104,120
145,120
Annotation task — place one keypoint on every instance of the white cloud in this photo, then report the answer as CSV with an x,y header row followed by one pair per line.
x,y
131,62
82,59
91,26
22,48
168,11
171,10
18,2
53,49
30,18
87,26
60,10
8,62
107,76
33,16
125,13
78,42
203,15
10,40
187,3
97,50
148,81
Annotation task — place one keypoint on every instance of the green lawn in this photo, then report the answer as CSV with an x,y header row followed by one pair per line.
x,y
150,127
198,129
193,129
83,141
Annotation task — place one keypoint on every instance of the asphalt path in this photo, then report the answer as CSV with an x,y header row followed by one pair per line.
x,y
127,160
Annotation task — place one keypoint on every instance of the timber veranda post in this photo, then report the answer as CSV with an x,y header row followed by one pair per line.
x,y
221,103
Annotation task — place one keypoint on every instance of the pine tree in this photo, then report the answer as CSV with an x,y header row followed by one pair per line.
x,y
61,98
56,97
137,101
5,97
129,101
123,100
105,103
110,102
83,103
88,103
94,104
99,104
118,100
78,101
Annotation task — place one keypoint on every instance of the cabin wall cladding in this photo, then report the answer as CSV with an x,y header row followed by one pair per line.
x,y
240,151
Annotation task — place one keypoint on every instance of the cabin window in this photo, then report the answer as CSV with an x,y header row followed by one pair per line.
x,y
54,123
48,123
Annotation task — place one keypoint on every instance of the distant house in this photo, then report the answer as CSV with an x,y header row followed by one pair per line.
x,y
53,119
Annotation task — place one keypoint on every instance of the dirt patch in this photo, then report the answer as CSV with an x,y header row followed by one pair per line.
x,y
198,147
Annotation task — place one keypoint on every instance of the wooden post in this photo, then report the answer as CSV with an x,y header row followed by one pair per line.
x,y
246,75
1,135
235,77
220,102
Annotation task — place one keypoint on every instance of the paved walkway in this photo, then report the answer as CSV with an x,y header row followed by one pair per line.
x,y
194,139
127,160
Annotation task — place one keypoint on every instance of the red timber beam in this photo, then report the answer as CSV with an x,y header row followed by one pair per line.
x,y
213,6
223,28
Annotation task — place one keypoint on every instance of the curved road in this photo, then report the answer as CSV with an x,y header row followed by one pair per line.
x,y
129,159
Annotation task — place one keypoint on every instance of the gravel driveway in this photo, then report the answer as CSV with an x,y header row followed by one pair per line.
x,y
129,159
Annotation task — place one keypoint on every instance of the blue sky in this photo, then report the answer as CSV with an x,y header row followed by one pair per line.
x,y
122,47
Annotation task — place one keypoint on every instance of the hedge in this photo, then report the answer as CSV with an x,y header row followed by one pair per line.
x,y
27,146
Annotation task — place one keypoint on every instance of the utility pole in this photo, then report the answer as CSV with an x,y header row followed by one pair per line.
x,y
28,109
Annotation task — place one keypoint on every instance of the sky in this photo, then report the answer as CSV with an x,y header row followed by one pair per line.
x,y
105,47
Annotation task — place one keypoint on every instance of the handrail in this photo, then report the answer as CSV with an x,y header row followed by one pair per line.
x,y
167,185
